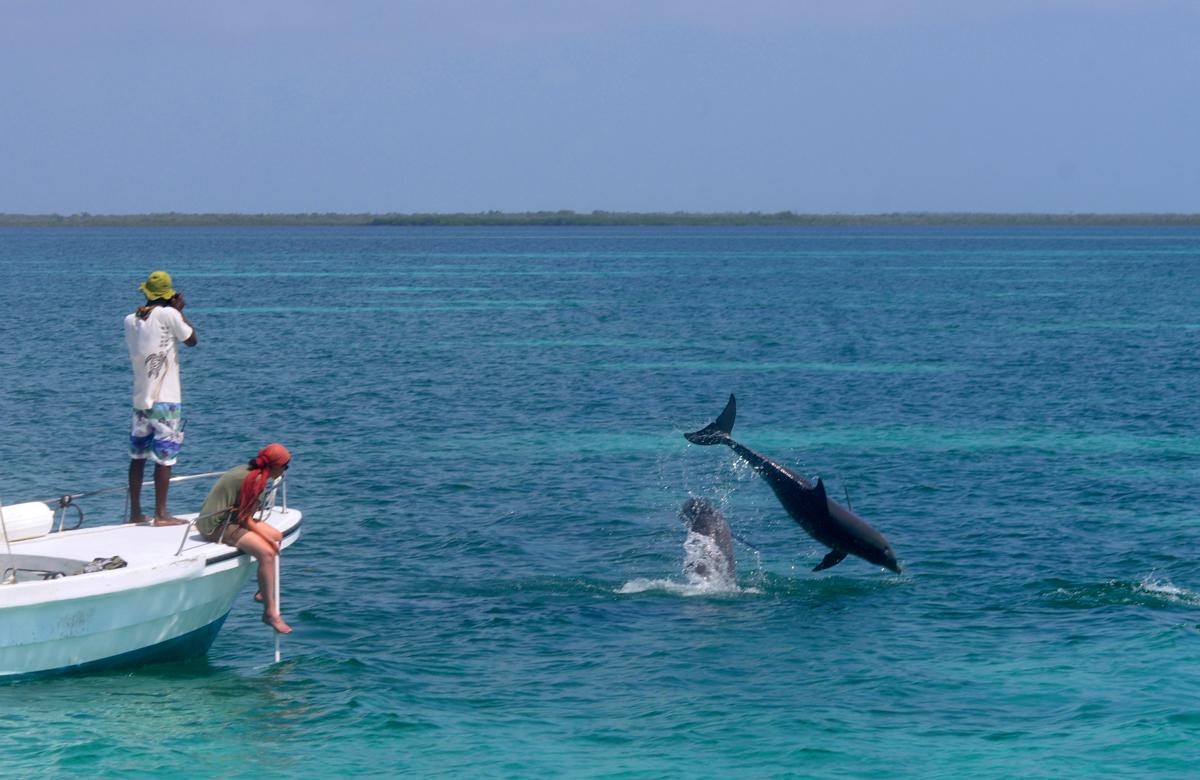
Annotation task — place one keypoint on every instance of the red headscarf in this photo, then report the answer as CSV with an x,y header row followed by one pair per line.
x,y
256,480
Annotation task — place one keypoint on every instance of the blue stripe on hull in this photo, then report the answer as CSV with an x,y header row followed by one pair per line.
x,y
190,645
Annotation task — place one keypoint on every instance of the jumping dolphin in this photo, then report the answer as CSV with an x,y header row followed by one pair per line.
x,y
825,520
716,559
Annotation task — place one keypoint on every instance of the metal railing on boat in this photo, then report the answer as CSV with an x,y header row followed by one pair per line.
x,y
266,506
68,501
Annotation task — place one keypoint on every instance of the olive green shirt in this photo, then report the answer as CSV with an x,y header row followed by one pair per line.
x,y
223,496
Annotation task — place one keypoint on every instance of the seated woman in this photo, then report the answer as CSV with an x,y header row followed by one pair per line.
x,y
228,516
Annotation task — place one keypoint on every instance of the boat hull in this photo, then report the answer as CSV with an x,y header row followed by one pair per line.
x,y
168,608
180,648
177,614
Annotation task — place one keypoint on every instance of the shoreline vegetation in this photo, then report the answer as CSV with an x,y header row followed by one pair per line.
x,y
568,218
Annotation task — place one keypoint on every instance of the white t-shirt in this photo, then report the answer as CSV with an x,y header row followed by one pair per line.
x,y
154,353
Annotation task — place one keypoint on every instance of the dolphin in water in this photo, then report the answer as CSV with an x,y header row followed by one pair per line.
x,y
825,520
714,559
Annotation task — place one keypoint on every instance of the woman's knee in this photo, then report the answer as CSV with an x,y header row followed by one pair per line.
x,y
258,546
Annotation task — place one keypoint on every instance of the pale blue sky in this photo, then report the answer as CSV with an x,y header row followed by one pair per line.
x,y
832,106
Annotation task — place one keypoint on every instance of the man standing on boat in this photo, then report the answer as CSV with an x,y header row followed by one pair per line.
x,y
228,516
153,334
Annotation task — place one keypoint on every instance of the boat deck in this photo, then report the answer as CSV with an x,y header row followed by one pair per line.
x,y
144,544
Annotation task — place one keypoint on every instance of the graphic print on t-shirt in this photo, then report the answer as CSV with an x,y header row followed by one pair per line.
x,y
154,354
158,361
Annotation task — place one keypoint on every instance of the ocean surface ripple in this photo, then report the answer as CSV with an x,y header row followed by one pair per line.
x,y
486,426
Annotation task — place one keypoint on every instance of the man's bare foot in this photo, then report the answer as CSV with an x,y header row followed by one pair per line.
x,y
138,519
161,521
276,622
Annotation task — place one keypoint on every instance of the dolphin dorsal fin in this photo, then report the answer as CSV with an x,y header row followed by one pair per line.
x,y
819,490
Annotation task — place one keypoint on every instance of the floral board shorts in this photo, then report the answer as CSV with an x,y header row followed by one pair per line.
x,y
157,433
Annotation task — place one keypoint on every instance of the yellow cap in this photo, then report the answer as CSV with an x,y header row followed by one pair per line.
x,y
158,287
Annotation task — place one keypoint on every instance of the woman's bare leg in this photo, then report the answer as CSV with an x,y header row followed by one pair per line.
x,y
265,553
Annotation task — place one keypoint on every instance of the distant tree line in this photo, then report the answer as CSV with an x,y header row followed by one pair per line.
x,y
778,218
170,219
567,218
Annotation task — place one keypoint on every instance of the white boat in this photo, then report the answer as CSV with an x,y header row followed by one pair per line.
x,y
167,603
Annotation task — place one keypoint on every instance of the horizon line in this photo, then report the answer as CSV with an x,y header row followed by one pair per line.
x,y
598,217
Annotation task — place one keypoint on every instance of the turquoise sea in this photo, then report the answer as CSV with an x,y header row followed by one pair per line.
x,y
487,434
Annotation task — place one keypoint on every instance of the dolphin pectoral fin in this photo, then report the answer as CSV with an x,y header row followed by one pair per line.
x,y
716,432
832,559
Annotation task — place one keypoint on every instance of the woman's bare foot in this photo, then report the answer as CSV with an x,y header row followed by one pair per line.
x,y
161,521
276,622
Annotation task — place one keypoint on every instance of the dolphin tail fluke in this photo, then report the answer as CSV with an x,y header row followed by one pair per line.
x,y
832,559
718,431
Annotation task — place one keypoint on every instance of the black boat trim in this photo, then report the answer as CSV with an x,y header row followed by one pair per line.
x,y
238,553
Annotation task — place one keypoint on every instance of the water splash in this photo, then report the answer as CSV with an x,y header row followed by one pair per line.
x,y
1149,591
705,572
676,588
705,564
1168,592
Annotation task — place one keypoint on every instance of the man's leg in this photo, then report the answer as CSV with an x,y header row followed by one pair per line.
x,y
141,439
162,483
137,472
168,439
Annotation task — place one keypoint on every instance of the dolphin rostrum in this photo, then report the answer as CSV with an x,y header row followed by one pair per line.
x,y
714,559
825,520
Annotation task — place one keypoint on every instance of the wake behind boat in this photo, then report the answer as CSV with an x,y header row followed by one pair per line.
x,y
62,610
